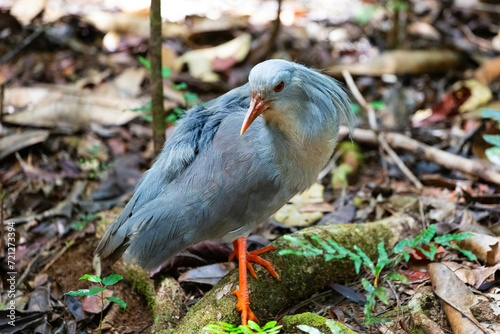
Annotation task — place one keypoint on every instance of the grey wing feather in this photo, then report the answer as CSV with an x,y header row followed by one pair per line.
x,y
213,197
193,134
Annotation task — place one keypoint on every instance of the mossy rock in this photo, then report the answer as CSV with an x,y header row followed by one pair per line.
x,y
290,323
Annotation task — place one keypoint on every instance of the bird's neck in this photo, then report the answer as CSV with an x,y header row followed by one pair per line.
x,y
301,150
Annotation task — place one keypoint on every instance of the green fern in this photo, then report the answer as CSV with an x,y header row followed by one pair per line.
x,y
331,250
251,328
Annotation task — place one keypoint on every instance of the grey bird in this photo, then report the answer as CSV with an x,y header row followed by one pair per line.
x,y
217,177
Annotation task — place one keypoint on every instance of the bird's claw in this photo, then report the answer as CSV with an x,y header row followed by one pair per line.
x,y
243,306
253,256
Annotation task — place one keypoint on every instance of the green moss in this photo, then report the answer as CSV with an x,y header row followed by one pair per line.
x,y
169,298
142,284
344,328
290,322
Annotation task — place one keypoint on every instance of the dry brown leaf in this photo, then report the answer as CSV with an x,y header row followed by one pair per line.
x,y
200,61
424,29
317,207
127,84
290,213
67,108
480,94
93,304
472,276
18,141
493,255
456,299
131,24
26,10
483,247
209,274
469,224
489,71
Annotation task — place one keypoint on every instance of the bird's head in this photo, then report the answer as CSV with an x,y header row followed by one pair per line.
x,y
292,93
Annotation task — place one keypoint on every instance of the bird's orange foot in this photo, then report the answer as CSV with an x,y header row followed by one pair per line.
x,y
243,306
253,256
244,259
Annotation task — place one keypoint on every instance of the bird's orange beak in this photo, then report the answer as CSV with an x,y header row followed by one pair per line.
x,y
257,106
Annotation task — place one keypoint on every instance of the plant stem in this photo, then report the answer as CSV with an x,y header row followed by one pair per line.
x,y
102,311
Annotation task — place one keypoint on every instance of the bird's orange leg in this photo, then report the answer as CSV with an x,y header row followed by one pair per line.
x,y
244,259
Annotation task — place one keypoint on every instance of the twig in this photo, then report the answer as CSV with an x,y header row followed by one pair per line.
x,y
2,198
27,41
468,136
399,162
443,158
372,120
276,29
2,96
61,252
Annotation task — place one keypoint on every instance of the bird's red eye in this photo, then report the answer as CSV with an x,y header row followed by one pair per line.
x,y
279,87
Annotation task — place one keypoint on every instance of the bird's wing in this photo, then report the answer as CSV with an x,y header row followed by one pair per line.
x,y
193,135
223,193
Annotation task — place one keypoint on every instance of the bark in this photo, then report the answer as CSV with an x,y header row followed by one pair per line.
x,y
299,276
157,109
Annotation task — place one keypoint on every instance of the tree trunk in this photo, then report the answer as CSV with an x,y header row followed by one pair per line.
x,y
157,110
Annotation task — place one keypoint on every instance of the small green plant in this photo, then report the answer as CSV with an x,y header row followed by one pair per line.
x,y
251,328
424,239
366,13
331,250
493,153
85,219
190,99
103,283
91,163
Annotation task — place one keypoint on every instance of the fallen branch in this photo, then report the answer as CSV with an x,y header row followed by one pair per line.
x,y
299,276
443,158
372,120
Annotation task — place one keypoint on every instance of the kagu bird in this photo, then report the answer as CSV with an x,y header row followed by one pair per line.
x,y
225,170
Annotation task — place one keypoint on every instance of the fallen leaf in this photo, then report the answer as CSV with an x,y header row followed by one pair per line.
x,y
68,109
290,213
424,29
414,275
472,274
126,85
200,61
26,10
94,305
349,293
479,94
417,255
469,224
488,71
485,247
131,24
18,141
316,207
210,274
456,299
